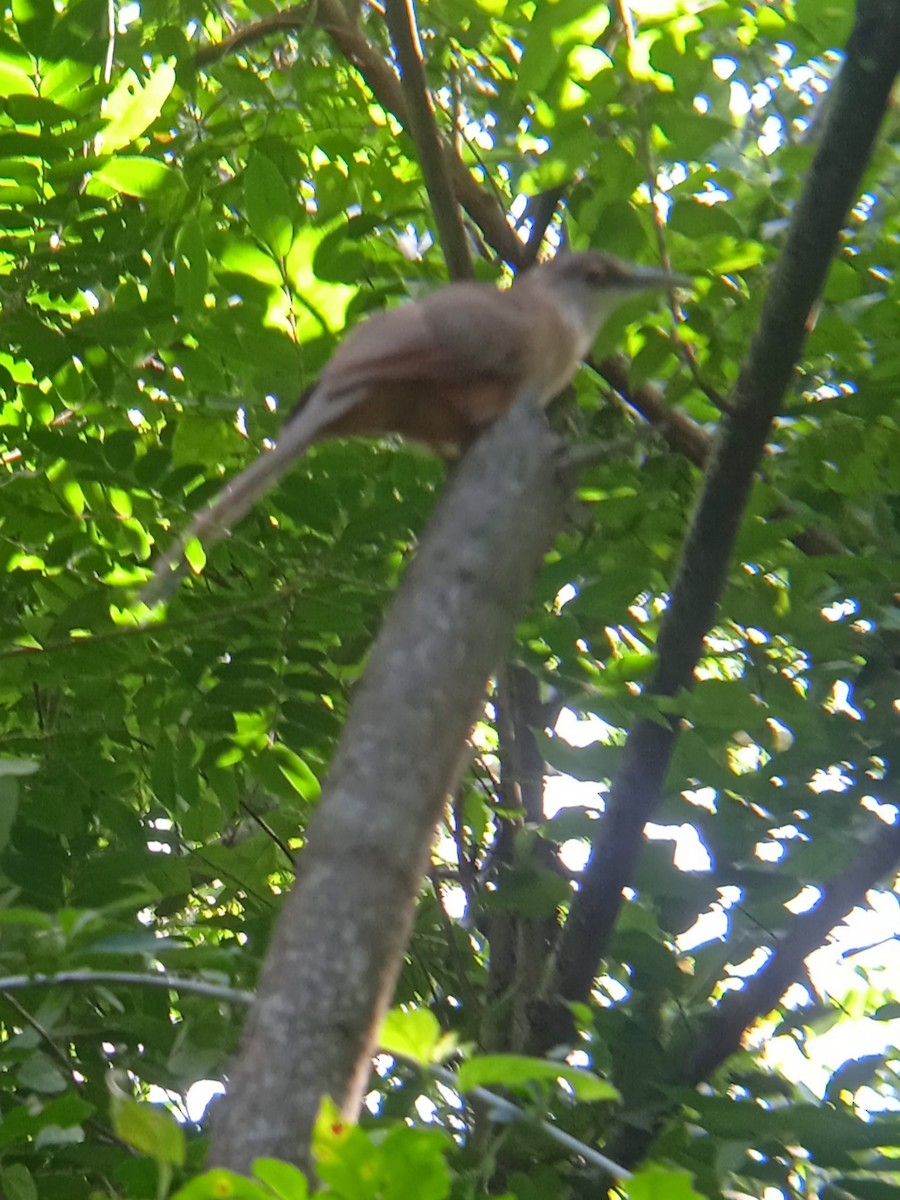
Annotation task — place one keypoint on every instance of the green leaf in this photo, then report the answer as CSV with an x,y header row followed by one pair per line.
x,y
660,1183
725,704
18,767
587,763
219,1184
15,80
697,220
191,267
149,1129
145,178
271,209
284,1180
25,916
34,20
355,1166
554,26
412,1033
39,1074
528,891
195,555
201,439
518,1073
63,84
829,21
133,105
413,1163
55,1135
296,772
18,1183
246,258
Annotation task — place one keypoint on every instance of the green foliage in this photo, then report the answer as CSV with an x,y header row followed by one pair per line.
x,y
182,242
149,1130
414,1034
351,1166
517,1073
656,1183
401,1162
277,1181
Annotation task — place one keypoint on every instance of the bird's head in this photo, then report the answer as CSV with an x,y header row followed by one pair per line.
x,y
591,284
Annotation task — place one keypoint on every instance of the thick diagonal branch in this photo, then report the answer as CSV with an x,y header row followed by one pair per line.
x,y
341,936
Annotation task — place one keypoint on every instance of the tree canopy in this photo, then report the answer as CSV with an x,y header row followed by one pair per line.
x,y
685,601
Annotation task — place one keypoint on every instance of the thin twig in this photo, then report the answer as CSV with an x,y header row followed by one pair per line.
x,y
690,440
269,832
174,983
295,17
382,81
58,1053
507,1111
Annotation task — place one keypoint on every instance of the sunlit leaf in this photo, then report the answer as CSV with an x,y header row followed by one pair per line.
x,y
660,1183
519,1073
271,210
133,105
413,1033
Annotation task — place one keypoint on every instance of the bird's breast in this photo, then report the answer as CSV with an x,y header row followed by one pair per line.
x,y
554,353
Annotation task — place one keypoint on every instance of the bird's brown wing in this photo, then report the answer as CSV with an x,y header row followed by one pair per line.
x,y
460,336
464,331
435,370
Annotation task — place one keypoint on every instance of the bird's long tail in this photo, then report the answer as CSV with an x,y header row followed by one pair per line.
x,y
238,496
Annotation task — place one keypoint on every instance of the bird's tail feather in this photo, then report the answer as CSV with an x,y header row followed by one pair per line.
x,y
238,496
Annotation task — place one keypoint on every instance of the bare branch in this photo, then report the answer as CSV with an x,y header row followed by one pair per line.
x,y
737,1011
720,1035
434,157
295,17
687,438
505,1110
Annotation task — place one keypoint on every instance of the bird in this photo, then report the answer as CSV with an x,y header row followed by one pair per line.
x,y
437,370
